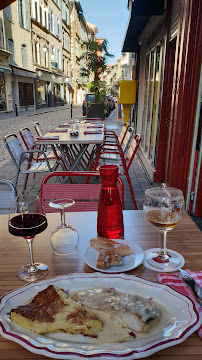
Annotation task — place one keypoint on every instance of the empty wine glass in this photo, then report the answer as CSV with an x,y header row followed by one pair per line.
x,y
64,239
27,219
163,207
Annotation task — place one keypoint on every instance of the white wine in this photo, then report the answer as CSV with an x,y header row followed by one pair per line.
x,y
163,219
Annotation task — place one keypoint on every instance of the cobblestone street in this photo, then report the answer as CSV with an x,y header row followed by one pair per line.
x,y
49,119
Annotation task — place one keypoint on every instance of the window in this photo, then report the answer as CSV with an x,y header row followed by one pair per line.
x,y
152,102
24,56
11,49
36,10
7,12
37,53
66,41
24,14
2,45
54,56
45,51
20,12
65,13
44,16
50,19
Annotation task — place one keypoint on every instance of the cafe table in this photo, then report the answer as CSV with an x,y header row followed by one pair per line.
x,y
186,238
61,137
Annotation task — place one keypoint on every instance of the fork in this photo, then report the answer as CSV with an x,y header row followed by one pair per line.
x,y
191,283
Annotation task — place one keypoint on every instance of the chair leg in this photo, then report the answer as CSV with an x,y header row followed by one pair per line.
x,y
25,183
131,190
16,179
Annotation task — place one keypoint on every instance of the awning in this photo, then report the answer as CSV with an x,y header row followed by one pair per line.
x,y
141,11
5,69
26,73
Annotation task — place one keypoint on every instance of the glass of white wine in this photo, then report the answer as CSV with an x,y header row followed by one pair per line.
x,y
163,207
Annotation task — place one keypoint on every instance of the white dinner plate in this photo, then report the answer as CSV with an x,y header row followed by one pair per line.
x,y
129,262
184,319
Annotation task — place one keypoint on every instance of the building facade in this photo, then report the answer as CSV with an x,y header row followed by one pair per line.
x,y
20,82
40,49
167,42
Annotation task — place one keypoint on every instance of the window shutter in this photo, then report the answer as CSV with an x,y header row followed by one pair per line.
x,y
61,30
67,16
33,9
38,11
55,24
27,15
43,14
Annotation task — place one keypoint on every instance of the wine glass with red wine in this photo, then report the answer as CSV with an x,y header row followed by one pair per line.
x,y
27,219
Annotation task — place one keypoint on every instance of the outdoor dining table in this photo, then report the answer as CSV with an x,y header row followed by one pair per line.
x,y
186,238
89,134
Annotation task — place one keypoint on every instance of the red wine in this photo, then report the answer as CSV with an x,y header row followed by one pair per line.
x,y
27,225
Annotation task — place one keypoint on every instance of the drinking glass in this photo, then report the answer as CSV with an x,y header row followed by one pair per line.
x,y
65,238
163,207
27,219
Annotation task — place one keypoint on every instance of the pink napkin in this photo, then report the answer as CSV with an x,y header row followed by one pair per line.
x,y
48,138
95,122
177,284
64,126
58,131
89,132
94,126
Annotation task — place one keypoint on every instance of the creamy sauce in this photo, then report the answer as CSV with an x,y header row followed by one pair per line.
x,y
113,300
113,331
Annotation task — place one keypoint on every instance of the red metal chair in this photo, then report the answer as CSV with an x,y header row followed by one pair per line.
x,y
110,135
86,195
124,162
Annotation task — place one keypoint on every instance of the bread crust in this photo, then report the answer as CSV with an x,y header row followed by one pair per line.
x,y
106,258
99,243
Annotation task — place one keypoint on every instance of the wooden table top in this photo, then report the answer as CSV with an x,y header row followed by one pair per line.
x,y
186,238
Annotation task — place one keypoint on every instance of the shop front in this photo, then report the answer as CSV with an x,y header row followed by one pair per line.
x,y
42,93
3,104
5,89
23,89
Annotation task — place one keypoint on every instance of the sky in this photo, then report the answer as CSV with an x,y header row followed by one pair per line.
x,y
111,18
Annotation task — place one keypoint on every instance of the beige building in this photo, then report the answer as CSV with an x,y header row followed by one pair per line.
x,y
123,69
66,50
20,82
46,27
77,36
40,50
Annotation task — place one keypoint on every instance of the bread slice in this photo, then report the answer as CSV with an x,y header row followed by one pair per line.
x,y
99,243
106,258
133,311
52,311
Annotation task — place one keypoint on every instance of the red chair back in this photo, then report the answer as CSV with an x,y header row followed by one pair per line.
x,y
132,150
86,196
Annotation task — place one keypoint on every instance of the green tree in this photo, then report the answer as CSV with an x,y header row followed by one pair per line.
x,y
95,57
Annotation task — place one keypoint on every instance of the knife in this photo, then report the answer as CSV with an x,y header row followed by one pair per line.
x,y
192,283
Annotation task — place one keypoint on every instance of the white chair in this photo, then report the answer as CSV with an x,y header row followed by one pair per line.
x,y
20,156
7,194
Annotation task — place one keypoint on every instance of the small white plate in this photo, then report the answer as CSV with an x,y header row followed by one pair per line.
x,y
129,262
